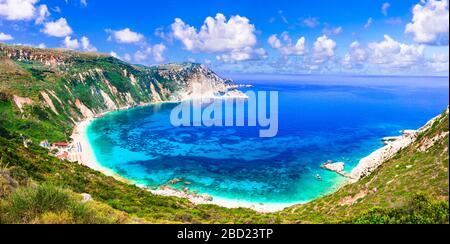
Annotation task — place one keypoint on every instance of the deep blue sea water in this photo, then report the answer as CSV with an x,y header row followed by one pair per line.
x,y
341,119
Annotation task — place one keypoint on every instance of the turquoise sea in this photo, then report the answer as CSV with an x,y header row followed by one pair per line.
x,y
342,119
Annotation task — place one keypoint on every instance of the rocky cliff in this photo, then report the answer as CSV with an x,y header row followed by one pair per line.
x,y
63,86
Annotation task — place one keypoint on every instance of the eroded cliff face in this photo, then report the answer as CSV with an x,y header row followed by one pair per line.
x,y
194,81
73,86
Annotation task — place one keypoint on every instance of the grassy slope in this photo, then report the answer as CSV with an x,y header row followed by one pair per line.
x,y
394,185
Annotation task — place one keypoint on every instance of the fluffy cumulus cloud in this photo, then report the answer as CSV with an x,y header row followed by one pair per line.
x,y
42,14
235,38
155,51
83,44
126,36
70,43
430,23
18,9
324,49
356,57
390,53
5,37
158,52
439,62
217,34
86,45
286,46
59,28
389,56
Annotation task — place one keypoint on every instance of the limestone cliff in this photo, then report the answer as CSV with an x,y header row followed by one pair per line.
x,y
80,85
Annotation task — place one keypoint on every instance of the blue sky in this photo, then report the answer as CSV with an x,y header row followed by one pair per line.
x,y
348,36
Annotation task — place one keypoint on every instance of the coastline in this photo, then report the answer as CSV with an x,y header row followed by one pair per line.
x,y
365,167
369,164
86,157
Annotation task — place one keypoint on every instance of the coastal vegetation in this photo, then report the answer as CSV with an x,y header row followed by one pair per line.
x,y
44,92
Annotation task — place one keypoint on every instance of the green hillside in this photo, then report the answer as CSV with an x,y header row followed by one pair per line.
x,y
38,188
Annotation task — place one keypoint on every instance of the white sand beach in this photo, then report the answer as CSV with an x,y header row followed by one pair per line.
x,y
82,153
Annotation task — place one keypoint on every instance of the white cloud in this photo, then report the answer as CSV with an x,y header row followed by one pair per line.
x,y
244,54
368,23
83,44
356,57
389,53
156,51
288,48
83,3
18,9
390,56
5,37
41,45
126,36
42,14
216,35
333,30
324,48
70,43
114,54
86,45
56,9
59,28
127,57
161,33
439,62
274,42
234,38
141,56
311,22
430,23
385,8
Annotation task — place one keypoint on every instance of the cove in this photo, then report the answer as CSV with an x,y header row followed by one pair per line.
x,y
317,123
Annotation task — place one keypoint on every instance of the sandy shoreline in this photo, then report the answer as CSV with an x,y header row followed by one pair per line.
x,y
83,152
84,155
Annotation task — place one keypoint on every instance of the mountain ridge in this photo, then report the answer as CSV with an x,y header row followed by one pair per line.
x,y
63,85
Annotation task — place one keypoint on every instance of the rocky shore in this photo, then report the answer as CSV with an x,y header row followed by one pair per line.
x,y
370,163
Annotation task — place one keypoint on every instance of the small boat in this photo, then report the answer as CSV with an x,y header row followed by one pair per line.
x,y
318,177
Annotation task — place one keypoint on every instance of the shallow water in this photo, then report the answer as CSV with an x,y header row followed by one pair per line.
x,y
316,123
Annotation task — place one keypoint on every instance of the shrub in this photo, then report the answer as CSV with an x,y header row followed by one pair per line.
x,y
49,204
419,210
26,204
